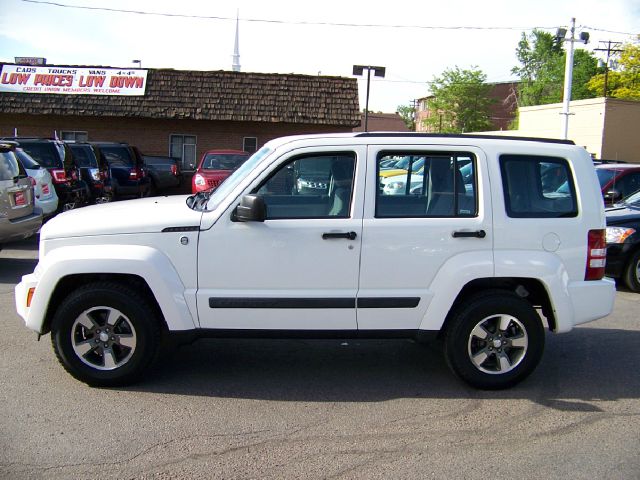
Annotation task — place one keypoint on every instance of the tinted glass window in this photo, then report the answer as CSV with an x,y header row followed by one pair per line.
x,y
84,156
221,161
604,176
27,161
426,184
8,166
538,187
118,156
46,154
318,186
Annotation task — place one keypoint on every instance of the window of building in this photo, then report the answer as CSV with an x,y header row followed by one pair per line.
x,y
250,144
317,186
426,184
538,187
74,136
184,148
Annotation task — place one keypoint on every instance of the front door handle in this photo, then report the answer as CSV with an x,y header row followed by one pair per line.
x,y
464,234
347,235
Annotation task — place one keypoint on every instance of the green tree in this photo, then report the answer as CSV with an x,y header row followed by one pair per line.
x,y
542,62
625,83
460,102
408,114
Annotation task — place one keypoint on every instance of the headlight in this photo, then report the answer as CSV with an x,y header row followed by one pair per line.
x,y
199,180
619,234
395,185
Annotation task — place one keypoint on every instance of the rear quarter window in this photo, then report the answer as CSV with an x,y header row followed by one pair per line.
x,y
8,166
538,187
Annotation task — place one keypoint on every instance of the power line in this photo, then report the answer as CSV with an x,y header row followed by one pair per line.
x,y
284,22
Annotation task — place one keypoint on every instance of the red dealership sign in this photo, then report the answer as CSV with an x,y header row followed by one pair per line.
x,y
72,80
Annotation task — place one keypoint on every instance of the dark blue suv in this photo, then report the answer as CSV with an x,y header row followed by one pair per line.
x,y
127,172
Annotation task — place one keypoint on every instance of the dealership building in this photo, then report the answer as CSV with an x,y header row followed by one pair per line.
x,y
172,112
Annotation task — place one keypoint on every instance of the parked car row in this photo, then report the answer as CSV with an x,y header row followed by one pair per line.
x,y
19,216
65,175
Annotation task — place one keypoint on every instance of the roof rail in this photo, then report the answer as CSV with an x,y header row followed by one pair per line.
x,y
465,136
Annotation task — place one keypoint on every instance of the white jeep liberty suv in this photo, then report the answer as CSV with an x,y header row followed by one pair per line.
x,y
321,237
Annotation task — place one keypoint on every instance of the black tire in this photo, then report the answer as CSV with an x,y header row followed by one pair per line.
x,y
632,273
494,340
153,190
105,334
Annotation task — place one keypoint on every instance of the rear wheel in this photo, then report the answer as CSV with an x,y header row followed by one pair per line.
x,y
105,334
494,340
632,273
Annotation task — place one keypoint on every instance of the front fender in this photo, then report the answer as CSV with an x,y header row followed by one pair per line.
x,y
145,262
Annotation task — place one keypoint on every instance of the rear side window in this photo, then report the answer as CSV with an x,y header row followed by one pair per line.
x,y
538,187
426,184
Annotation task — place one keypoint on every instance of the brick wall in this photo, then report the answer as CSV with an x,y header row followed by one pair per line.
x,y
151,136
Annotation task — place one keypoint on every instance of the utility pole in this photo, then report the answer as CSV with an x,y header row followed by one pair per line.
x,y
414,106
612,48
568,71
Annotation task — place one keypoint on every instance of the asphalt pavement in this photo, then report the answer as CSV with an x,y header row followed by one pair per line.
x,y
238,409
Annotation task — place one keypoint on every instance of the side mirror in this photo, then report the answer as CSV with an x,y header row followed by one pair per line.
x,y
612,196
251,209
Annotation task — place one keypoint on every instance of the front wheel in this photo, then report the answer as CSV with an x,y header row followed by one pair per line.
x,y
494,340
105,334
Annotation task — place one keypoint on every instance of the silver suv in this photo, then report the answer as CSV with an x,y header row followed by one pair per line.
x,y
18,216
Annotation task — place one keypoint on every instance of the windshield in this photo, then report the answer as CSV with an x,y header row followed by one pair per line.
x,y
84,156
633,199
118,156
46,154
27,161
605,176
235,178
223,161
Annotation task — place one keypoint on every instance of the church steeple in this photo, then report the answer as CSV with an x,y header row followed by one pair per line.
x,y
236,47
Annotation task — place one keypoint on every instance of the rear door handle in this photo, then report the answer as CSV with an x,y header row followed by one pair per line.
x,y
465,234
347,235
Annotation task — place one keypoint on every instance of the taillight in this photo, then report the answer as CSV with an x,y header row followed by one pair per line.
x,y
174,170
596,255
59,176
136,173
33,181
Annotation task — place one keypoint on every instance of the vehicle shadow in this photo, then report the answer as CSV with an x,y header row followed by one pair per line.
x,y
586,365
12,269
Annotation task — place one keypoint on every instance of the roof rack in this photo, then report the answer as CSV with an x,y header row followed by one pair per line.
x,y
464,136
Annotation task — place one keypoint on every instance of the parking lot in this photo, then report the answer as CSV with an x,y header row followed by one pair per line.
x,y
320,409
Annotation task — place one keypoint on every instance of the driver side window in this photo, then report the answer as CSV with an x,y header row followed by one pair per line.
x,y
311,186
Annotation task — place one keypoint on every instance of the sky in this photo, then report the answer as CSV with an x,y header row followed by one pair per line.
x,y
414,40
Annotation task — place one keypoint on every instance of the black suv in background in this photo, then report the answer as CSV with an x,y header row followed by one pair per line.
x,y
56,156
94,172
127,172
164,172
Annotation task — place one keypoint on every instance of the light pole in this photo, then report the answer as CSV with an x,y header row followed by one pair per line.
x,y
568,71
139,62
378,72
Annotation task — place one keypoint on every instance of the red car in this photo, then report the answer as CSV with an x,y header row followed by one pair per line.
x,y
215,166
618,180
